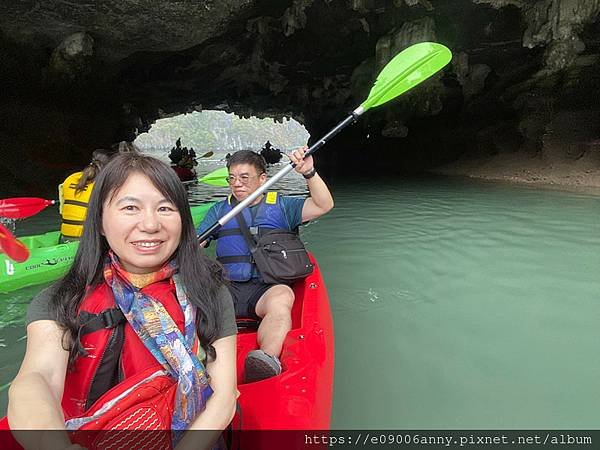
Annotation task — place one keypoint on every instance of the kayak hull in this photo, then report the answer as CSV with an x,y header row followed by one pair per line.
x,y
48,260
300,398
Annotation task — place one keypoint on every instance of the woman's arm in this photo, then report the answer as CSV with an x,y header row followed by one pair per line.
x,y
34,398
220,407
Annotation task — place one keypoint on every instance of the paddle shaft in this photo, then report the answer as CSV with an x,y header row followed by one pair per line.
x,y
279,175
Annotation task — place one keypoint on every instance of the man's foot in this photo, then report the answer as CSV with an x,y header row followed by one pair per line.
x,y
259,365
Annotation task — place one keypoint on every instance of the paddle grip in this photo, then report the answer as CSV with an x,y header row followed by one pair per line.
x,y
204,236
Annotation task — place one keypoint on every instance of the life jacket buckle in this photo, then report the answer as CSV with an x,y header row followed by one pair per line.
x,y
113,317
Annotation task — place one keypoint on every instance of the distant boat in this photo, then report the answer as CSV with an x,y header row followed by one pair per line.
x,y
184,173
272,155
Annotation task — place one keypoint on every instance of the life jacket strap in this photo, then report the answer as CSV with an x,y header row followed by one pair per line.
x,y
72,222
109,318
76,203
108,372
236,232
235,259
229,232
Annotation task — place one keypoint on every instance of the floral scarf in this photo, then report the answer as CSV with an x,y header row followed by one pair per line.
x,y
159,333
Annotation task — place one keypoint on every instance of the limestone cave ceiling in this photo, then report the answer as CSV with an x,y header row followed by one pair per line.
x,y
80,75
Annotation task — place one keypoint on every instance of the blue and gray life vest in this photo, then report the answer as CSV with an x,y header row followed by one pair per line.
x,y
232,249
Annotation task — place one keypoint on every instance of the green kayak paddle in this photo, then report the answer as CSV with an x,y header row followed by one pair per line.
x,y
407,69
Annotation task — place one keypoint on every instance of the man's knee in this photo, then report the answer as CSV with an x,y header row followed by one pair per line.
x,y
277,300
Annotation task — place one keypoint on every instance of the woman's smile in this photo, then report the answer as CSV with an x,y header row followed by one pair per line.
x,y
147,246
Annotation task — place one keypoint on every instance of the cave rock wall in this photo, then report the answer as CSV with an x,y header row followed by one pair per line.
x,y
79,76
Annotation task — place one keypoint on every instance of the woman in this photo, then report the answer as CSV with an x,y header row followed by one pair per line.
x,y
74,194
138,255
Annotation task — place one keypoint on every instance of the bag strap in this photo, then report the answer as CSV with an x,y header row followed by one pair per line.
x,y
244,227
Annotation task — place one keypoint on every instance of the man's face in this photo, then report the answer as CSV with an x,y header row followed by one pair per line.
x,y
244,179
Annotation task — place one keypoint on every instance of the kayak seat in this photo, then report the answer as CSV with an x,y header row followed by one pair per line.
x,y
50,239
246,324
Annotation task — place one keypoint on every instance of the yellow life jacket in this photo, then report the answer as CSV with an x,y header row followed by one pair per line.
x,y
73,206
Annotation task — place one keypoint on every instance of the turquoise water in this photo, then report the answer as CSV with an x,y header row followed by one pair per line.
x,y
457,304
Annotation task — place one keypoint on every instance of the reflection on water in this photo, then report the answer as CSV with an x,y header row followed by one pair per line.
x,y
456,304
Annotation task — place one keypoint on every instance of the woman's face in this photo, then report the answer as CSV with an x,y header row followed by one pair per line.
x,y
141,226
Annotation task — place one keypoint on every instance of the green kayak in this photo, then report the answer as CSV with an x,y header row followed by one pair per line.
x,y
49,260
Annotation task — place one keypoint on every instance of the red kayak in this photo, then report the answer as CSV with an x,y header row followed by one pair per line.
x,y
300,397
184,173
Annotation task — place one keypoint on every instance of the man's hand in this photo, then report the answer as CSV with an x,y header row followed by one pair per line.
x,y
303,166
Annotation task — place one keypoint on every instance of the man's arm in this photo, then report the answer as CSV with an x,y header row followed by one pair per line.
x,y
320,200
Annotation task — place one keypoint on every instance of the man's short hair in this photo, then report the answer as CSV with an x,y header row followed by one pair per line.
x,y
248,157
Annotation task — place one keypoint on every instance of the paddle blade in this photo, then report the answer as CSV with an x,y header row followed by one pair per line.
x,y
207,154
407,69
216,177
15,250
22,207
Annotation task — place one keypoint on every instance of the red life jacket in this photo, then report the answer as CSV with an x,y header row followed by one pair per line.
x,y
114,351
117,366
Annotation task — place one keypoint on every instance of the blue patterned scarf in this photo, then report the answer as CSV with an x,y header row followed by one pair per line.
x,y
162,337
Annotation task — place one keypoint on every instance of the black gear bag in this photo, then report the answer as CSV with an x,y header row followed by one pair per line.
x,y
279,254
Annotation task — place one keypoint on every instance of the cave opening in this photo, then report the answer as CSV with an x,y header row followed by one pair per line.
x,y
213,134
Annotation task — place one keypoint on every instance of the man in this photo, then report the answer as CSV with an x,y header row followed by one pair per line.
x,y
269,303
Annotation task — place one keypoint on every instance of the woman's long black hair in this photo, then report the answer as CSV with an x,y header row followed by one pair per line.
x,y
201,276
